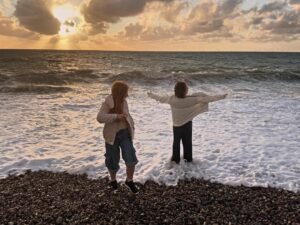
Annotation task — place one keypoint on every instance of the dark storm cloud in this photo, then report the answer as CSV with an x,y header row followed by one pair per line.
x,y
111,10
36,16
98,12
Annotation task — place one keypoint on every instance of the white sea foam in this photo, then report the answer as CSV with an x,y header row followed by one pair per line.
x,y
251,138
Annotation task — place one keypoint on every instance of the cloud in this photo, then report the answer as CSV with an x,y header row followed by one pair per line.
x,y
35,15
208,16
273,6
132,31
211,20
100,12
286,23
138,32
172,12
276,20
96,28
294,1
9,28
7,6
54,40
111,11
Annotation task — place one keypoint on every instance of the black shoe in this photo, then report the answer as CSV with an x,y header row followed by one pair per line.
x,y
132,187
175,161
188,160
114,185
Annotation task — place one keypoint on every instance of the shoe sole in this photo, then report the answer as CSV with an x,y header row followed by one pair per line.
x,y
131,190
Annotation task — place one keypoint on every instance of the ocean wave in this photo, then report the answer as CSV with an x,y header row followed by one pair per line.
x,y
193,77
180,71
139,76
38,89
55,78
15,59
147,77
3,78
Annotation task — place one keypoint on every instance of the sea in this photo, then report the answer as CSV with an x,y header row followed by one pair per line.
x,y
49,101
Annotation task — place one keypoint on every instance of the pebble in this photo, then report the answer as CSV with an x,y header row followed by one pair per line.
x,y
62,198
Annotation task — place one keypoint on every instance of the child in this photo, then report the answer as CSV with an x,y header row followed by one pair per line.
x,y
118,132
184,108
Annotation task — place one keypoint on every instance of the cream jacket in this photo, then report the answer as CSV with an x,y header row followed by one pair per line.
x,y
185,109
110,126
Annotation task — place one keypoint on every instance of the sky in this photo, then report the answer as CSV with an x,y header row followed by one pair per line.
x,y
151,25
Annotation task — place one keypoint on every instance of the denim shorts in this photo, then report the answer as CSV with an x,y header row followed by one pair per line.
x,y
123,141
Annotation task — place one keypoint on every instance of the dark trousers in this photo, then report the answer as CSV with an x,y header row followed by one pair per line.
x,y
183,133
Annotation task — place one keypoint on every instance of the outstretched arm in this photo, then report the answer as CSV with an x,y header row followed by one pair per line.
x,y
202,97
161,99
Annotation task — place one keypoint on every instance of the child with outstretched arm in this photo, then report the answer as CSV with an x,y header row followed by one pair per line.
x,y
184,108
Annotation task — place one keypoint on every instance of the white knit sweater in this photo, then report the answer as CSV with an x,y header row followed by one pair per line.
x,y
185,109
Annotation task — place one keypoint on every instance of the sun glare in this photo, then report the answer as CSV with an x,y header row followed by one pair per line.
x,y
68,17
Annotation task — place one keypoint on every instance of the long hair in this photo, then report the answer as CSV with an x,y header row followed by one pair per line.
x,y
180,89
119,91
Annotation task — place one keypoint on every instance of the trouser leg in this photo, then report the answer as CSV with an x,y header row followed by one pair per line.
x,y
128,154
176,144
187,142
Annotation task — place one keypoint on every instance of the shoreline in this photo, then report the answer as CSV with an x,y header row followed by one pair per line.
x,y
45,197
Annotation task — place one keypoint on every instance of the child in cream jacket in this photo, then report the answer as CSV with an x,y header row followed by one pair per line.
x,y
184,108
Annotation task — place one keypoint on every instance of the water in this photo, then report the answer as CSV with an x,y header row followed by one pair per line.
x,y
50,99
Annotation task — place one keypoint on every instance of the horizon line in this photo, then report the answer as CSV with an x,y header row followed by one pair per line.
x,y
151,51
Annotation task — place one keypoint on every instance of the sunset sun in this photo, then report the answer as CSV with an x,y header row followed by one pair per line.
x,y
69,18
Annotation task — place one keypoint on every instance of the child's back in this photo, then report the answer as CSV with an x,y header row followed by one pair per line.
x,y
184,108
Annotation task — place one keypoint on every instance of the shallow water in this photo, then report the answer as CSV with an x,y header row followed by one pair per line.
x,y
251,138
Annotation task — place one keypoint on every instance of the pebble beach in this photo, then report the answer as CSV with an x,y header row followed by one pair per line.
x,y
61,198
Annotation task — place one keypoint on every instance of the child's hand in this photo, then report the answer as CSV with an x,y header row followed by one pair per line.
x,y
121,116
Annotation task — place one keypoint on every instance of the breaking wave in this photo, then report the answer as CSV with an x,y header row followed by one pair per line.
x,y
56,78
58,81
194,76
37,89
50,82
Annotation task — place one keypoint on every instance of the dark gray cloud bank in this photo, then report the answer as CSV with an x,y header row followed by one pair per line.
x,y
36,16
100,12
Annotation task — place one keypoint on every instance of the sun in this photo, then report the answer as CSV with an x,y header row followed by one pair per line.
x,y
69,18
